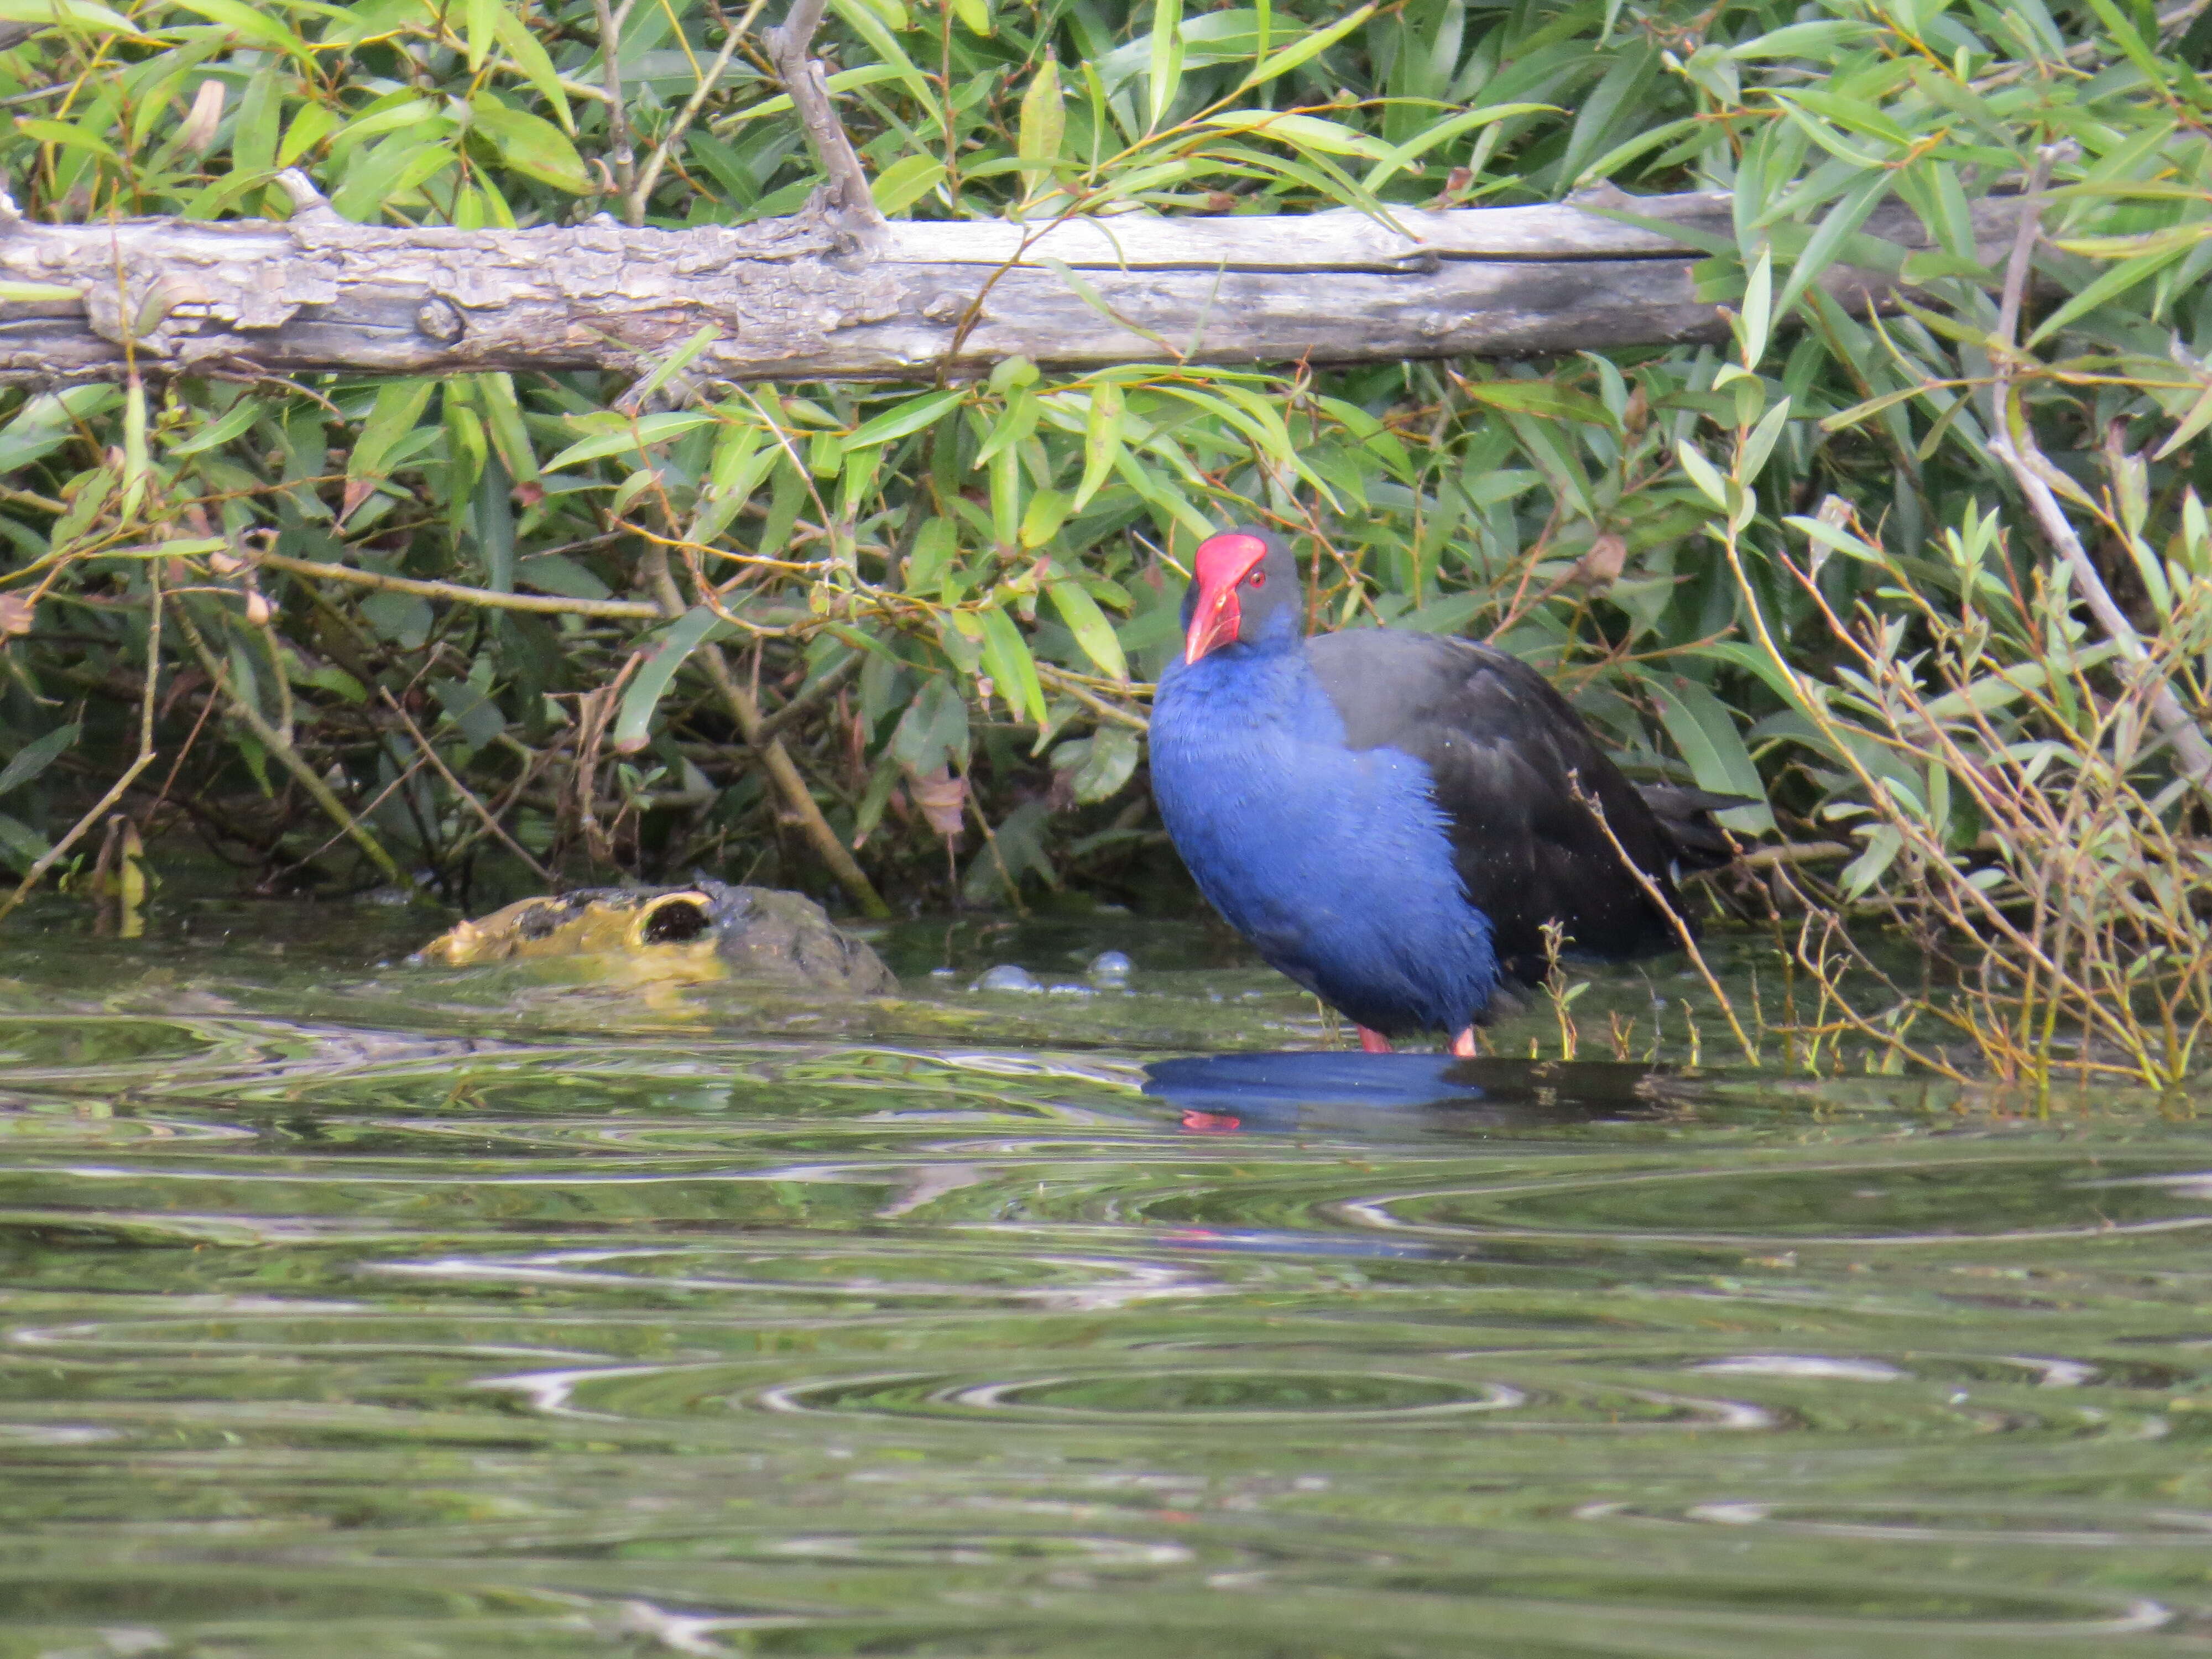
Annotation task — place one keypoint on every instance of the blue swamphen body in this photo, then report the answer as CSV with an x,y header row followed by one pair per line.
x,y
1391,818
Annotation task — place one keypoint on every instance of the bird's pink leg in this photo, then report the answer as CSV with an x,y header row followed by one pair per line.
x,y
1373,1042
1463,1044
1211,1123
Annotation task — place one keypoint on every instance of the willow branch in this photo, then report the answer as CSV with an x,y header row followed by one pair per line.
x,y
2012,440
455,593
825,134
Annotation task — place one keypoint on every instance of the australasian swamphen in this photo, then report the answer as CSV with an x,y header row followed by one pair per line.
x,y
1391,817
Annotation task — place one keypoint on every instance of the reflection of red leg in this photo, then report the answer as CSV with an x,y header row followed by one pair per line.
x,y
1373,1042
1463,1044
1210,1123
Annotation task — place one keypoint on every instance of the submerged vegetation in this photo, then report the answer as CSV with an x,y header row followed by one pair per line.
x,y
1933,582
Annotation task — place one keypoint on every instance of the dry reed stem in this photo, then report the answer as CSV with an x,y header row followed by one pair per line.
x,y
1682,930
53,856
317,791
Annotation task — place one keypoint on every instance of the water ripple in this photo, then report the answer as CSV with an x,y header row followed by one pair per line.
x,y
472,1332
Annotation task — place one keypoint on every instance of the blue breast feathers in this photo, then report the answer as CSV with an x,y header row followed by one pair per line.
x,y
1335,863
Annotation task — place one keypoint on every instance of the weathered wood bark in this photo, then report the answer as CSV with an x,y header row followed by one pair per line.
x,y
804,298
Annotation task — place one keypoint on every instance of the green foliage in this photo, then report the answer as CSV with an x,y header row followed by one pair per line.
x,y
964,587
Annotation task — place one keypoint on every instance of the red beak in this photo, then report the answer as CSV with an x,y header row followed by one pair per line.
x,y
1213,623
1221,563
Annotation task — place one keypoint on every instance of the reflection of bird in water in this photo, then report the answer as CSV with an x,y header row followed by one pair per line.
x,y
1393,818
1222,1094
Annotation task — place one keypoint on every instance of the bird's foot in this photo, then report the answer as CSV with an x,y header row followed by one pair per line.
x,y
1463,1044
1373,1042
1211,1123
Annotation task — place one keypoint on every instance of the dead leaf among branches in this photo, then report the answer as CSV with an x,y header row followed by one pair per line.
x,y
16,609
199,129
1600,568
943,797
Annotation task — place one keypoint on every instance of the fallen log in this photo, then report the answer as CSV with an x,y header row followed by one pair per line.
x,y
825,295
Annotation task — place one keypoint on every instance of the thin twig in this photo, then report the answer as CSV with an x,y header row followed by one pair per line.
x,y
1069,686
53,854
339,834
1682,930
295,762
810,698
776,760
455,593
611,21
2012,440
2176,21
649,175
490,821
825,134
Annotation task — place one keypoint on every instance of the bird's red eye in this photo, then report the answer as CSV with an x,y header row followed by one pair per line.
x,y
1257,579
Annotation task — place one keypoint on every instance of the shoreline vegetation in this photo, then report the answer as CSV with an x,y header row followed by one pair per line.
x,y
1935,578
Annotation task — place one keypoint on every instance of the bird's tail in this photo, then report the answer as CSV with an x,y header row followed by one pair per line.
x,y
1687,816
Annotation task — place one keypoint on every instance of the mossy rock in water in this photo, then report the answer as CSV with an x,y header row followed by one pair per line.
x,y
707,931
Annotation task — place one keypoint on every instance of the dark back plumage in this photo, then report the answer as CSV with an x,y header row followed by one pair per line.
x,y
1506,750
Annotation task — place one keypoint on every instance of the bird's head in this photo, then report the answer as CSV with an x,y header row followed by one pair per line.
x,y
1244,589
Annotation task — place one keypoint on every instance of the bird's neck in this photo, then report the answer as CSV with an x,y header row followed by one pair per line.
x,y
1236,691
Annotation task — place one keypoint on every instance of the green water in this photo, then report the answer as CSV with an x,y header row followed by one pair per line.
x,y
349,1308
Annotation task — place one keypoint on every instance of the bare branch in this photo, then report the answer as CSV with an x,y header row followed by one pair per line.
x,y
792,298
2012,440
849,196
454,593
611,21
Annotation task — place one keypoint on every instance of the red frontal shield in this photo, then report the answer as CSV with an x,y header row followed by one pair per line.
x,y
1223,561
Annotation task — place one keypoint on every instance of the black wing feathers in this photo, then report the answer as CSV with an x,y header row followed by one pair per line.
x,y
1686,816
1503,747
